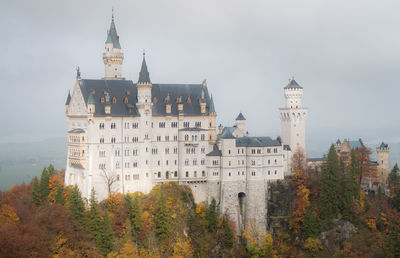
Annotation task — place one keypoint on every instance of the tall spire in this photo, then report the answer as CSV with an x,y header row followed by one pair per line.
x,y
144,76
211,107
112,36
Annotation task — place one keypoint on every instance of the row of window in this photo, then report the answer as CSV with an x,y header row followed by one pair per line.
x,y
194,137
194,162
253,173
76,139
255,151
135,125
76,153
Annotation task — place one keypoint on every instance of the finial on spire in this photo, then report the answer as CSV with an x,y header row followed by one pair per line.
x,y
144,53
78,73
204,83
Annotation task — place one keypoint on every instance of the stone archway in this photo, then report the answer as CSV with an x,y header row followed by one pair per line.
x,y
242,209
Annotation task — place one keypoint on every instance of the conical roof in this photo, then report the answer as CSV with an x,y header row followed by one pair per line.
x,y
211,107
293,85
91,99
112,36
68,99
240,117
144,76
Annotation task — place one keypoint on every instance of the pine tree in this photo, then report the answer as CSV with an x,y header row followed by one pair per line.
x,y
105,236
94,219
35,192
212,216
310,227
229,238
50,170
136,218
76,205
44,185
162,219
60,195
329,198
394,186
350,187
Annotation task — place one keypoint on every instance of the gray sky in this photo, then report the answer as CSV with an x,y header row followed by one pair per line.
x,y
346,55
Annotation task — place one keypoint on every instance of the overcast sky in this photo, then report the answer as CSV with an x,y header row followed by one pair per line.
x,y
345,54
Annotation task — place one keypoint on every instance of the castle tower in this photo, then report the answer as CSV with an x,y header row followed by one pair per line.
x,y
241,125
213,122
383,163
293,117
112,56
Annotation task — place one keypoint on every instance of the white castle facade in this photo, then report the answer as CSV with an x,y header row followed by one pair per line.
x,y
127,137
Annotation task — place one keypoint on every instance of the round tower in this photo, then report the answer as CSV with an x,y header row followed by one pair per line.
x,y
293,117
112,56
383,163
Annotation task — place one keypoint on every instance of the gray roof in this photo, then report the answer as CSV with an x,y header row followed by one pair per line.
x,y
293,85
317,159
68,99
144,75
112,36
286,147
338,141
383,145
211,107
189,93
192,129
256,142
215,151
78,130
240,117
227,133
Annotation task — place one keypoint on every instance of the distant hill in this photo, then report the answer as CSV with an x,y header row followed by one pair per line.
x,y
20,162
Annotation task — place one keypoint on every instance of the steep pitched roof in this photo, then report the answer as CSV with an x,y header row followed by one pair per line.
x,y
293,85
383,145
112,36
211,107
121,89
68,99
144,76
215,151
227,133
240,117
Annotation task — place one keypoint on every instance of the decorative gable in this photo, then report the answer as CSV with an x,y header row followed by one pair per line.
x,y
77,106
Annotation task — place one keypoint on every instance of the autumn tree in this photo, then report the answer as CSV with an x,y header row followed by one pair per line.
x,y
35,191
310,227
60,199
109,178
350,187
105,236
394,186
329,198
229,237
135,211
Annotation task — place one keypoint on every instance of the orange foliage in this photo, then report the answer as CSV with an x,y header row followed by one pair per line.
x,y
8,215
302,202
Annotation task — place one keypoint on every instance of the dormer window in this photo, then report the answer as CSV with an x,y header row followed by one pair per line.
x,y
114,100
128,92
105,92
102,100
154,100
189,100
126,100
93,92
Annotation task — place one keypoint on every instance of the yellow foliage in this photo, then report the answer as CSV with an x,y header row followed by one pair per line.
x,y
252,234
128,250
266,244
371,222
183,249
200,209
54,183
8,215
313,245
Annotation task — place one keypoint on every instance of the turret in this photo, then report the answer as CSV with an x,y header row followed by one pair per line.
x,y
112,56
144,85
383,163
67,102
293,117
241,124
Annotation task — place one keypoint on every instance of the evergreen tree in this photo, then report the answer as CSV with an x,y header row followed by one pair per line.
x,y
76,205
310,227
44,185
94,219
329,198
350,187
135,216
229,238
212,216
105,236
60,195
50,170
35,191
162,219
394,186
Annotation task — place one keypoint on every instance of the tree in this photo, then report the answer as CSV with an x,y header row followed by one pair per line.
x,y
94,219
135,216
162,219
229,238
76,204
394,186
59,199
310,227
350,187
301,202
109,179
212,216
105,236
35,191
44,185
329,198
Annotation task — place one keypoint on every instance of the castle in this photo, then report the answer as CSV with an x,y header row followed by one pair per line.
x,y
126,136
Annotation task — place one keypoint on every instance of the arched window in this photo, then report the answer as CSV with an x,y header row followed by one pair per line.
x,y
159,174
